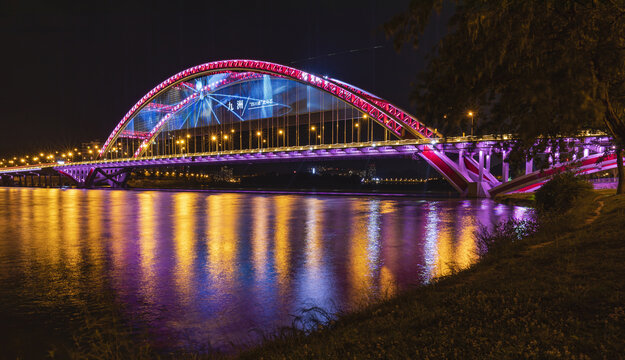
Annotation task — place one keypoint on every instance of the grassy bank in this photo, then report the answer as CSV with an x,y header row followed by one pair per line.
x,y
557,294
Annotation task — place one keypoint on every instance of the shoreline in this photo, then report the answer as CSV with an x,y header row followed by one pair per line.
x,y
499,307
322,192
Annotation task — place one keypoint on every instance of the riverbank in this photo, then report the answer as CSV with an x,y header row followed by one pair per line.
x,y
557,294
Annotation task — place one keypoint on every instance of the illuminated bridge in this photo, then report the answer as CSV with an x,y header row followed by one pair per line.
x,y
254,111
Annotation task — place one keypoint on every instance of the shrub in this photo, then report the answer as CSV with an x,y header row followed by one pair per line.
x,y
560,193
506,232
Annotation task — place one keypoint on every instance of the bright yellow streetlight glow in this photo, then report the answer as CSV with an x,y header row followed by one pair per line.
x,y
40,154
225,137
258,133
312,128
364,116
188,136
280,132
232,131
356,124
213,137
470,113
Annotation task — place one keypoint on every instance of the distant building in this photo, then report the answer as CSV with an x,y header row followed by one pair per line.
x,y
371,172
225,174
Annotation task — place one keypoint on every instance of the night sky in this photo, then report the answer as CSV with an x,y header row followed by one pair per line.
x,y
70,71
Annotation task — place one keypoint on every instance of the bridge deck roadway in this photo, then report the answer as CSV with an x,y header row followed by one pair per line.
x,y
468,176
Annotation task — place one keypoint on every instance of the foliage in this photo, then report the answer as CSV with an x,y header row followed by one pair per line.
x,y
491,241
535,68
559,194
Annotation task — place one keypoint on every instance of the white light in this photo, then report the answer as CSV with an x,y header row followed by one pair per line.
x,y
198,85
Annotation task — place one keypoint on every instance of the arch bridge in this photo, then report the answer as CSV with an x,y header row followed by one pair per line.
x,y
248,110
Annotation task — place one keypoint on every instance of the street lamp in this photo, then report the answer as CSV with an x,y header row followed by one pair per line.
x,y
471,115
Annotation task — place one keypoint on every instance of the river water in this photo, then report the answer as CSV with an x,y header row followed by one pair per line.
x,y
203,270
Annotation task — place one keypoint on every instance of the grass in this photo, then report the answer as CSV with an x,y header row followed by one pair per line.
x,y
558,294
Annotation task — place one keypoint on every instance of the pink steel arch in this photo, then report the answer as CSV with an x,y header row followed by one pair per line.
x,y
394,119
236,77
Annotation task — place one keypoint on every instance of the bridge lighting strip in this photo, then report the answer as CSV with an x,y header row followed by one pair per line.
x,y
363,104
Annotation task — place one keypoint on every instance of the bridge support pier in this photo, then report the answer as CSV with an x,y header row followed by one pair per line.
x,y
477,190
529,166
7,181
480,177
114,177
505,167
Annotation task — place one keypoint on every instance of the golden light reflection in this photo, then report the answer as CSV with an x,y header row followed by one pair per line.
x,y
53,232
95,199
388,286
71,228
445,261
117,214
314,286
450,242
147,244
184,240
283,205
390,246
222,236
25,217
438,261
359,269
260,227
466,248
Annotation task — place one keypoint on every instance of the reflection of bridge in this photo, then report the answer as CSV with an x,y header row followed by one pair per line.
x,y
246,110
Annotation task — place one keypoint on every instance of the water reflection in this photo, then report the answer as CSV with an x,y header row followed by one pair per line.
x,y
203,270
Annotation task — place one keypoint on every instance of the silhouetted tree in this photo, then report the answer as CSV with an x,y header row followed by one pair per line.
x,y
535,68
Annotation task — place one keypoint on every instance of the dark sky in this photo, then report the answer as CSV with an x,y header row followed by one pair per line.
x,y
71,71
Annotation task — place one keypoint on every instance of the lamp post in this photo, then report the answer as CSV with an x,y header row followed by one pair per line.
x,y
471,115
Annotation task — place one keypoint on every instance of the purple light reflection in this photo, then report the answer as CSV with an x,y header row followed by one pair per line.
x,y
200,270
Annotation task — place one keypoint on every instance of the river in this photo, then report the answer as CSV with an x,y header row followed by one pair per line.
x,y
199,271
